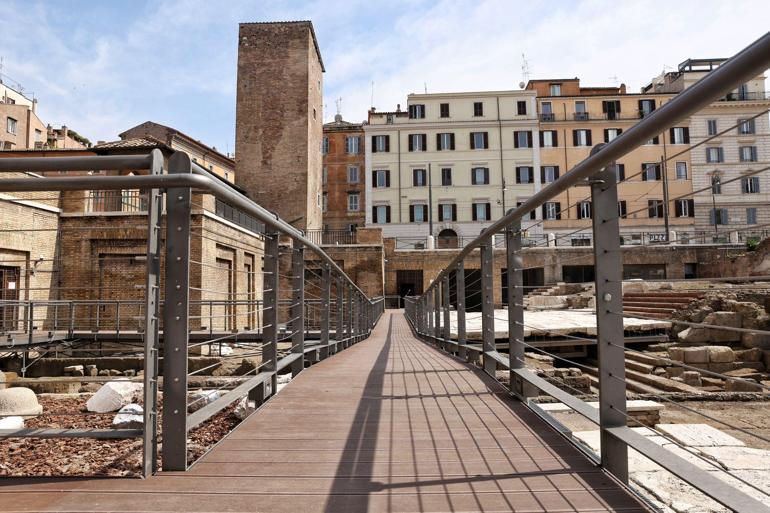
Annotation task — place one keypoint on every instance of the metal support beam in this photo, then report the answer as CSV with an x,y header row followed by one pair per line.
x,y
297,310
351,315
176,319
487,306
446,331
515,306
437,314
339,332
326,293
462,341
270,295
152,322
609,301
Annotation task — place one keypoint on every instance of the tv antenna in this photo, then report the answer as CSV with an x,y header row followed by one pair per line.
x,y
371,104
338,104
524,68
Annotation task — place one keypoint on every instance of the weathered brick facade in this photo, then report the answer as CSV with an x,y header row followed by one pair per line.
x,y
279,119
344,168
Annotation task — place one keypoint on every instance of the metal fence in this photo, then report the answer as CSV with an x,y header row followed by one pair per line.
x,y
216,270
442,316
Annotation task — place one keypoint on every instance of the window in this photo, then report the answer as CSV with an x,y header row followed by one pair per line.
x,y
481,212
581,137
478,109
418,142
381,178
748,153
712,126
445,141
521,108
11,125
418,213
549,138
681,170
447,212
580,239
751,215
416,111
381,214
444,110
655,208
620,172
549,174
646,107
522,139
718,216
354,204
480,176
446,176
38,135
352,174
684,208
584,210
419,178
654,140
532,215
325,203
611,133
325,147
479,141
622,211
611,108
750,184
650,172
746,127
679,135
380,143
352,144
716,184
324,175
551,210
546,112
581,114
524,174
555,90
715,154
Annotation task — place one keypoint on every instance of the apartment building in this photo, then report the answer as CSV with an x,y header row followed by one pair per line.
x,y
573,119
734,197
206,156
451,163
343,175
20,128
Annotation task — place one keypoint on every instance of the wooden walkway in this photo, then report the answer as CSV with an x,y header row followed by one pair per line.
x,y
390,424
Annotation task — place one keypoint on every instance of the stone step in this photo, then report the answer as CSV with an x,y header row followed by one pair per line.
x,y
656,302
689,295
644,368
648,310
662,306
631,384
653,361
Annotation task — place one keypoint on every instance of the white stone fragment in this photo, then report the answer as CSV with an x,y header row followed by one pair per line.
x,y
113,396
131,416
739,458
200,398
12,423
699,435
244,408
19,401
283,379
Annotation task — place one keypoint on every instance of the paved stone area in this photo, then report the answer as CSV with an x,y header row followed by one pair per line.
x,y
388,425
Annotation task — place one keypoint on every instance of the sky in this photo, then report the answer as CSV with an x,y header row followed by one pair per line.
x,y
101,67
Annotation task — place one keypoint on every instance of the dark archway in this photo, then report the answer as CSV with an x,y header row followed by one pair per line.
x,y
447,239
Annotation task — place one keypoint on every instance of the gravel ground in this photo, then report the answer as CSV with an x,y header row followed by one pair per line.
x,y
92,457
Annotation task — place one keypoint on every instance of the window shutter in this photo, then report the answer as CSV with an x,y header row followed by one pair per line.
x,y
424,138
411,145
606,135
690,208
555,137
724,216
744,185
555,172
387,179
472,145
671,135
518,175
641,106
644,172
414,178
438,142
411,213
621,172
577,209
486,140
374,215
387,214
617,105
604,106
515,139
544,210
574,138
452,141
686,131
713,216
387,143
454,212
678,208
658,172
374,179
487,212
374,144
655,140
558,210
473,208
588,138
542,141
486,175
542,174
529,139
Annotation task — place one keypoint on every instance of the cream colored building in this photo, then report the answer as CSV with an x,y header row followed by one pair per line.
x,y
451,163
735,200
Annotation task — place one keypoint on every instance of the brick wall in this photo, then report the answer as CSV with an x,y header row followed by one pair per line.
x,y
337,187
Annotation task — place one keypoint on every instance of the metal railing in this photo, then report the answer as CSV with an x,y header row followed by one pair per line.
x,y
331,237
116,201
283,312
432,317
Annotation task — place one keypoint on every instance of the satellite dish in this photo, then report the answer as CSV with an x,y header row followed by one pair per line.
x,y
521,85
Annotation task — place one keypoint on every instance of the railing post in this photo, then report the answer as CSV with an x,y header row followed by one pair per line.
x,y
445,293
326,291
297,310
462,351
176,314
349,334
487,307
151,322
270,294
515,306
609,305
437,314
339,332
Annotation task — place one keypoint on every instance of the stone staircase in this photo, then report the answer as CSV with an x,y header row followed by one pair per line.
x,y
640,377
559,289
658,305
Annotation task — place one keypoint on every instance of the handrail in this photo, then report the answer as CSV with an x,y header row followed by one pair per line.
x,y
743,66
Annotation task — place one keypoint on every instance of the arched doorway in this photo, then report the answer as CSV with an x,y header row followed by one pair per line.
x,y
447,239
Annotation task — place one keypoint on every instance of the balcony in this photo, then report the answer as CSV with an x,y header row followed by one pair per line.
x,y
581,116
746,96
331,237
549,116
116,201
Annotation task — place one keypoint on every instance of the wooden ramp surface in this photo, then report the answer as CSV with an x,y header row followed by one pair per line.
x,y
390,424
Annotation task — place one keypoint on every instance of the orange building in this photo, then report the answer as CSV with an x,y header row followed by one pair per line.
x,y
343,175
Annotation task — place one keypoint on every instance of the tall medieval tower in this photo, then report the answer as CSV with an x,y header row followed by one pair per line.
x,y
279,119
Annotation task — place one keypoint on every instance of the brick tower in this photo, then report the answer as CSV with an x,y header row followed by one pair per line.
x,y
279,119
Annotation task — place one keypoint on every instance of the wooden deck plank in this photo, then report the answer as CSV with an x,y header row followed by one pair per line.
x,y
390,424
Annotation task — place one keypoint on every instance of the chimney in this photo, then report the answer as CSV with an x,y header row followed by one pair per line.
x,y
34,105
64,131
622,88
